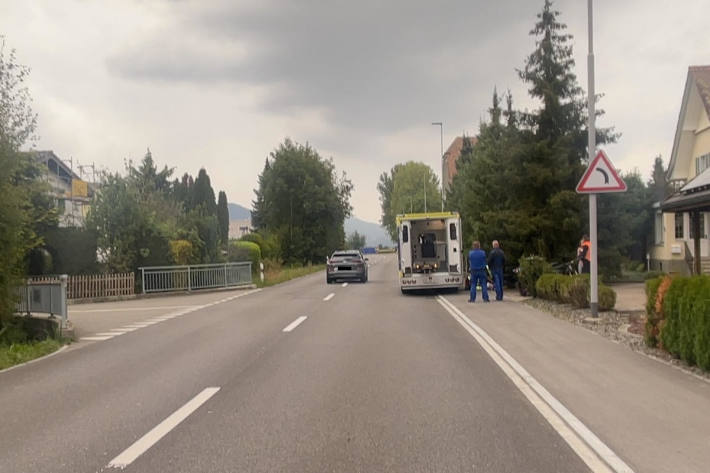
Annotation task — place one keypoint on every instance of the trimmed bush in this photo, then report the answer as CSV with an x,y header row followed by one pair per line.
x,y
245,251
546,287
685,332
653,318
552,286
531,268
269,245
606,296
578,291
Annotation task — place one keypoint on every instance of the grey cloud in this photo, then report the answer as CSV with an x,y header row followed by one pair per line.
x,y
372,65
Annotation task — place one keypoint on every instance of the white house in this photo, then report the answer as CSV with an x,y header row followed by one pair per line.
x,y
72,195
682,221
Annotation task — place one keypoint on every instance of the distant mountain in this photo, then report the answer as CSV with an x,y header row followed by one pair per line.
x,y
374,233
237,212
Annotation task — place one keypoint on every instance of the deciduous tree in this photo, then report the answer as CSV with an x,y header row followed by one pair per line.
x,y
302,201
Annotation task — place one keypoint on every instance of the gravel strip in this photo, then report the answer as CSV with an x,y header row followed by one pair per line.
x,y
623,327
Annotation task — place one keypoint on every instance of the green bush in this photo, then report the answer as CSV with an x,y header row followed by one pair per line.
x,y
553,287
670,333
686,330
606,296
269,245
245,251
575,290
546,287
578,291
531,268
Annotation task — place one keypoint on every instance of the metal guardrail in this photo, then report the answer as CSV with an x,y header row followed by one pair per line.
x,y
44,297
194,277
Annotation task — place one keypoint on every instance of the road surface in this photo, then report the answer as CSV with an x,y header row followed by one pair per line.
x,y
301,377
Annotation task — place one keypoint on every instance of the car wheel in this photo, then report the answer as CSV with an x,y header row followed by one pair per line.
x,y
328,281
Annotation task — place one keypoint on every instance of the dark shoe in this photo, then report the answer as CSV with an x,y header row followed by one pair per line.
x,y
470,301
486,300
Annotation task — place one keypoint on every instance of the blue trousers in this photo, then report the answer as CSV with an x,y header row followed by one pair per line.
x,y
476,277
498,283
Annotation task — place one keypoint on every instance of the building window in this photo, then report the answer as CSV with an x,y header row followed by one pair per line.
x,y
702,226
678,226
658,228
702,163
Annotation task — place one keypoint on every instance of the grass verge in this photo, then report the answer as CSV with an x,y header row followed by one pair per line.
x,y
17,353
277,276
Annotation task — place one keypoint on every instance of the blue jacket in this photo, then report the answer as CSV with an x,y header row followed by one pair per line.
x,y
477,259
496,259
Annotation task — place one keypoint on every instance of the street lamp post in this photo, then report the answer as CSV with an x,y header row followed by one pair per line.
x,y
591,150
441,128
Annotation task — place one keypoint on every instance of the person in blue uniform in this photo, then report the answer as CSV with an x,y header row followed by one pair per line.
x,y
496,261
477,264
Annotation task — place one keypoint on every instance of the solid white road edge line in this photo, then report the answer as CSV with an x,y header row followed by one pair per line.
x,y
96,339
141,445
295,323
329,296
595,453
132,309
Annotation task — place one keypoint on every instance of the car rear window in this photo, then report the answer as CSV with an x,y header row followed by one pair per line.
x,y
344,256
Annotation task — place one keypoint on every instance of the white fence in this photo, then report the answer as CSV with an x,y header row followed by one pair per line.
x,y
194,277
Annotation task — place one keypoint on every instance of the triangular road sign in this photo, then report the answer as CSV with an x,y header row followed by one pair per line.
x,y
601,176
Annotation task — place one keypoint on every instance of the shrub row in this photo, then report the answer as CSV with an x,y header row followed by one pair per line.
x,y
531,268
573,290
245,251
678,316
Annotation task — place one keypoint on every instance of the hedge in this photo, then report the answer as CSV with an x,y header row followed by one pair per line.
x,y
573,290
245,251
678,317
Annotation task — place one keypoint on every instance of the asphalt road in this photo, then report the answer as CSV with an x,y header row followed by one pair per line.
x,y
370,380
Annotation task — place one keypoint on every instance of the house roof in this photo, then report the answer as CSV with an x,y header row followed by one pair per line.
x,y
688,202
63,171
698,183
702,81
695,195
696,97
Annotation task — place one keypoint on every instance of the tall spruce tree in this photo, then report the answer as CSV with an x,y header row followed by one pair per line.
x,y
223,217
203,199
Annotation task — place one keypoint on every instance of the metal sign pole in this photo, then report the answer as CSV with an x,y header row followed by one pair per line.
x,y
591,150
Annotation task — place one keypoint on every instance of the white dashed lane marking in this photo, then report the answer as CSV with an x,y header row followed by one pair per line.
x,y
329,296
345,284
295,323
161,430
186,309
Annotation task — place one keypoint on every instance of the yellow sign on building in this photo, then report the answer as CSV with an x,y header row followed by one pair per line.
x,y
79,188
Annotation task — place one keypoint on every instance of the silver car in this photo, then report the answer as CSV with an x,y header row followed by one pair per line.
x,y
349,265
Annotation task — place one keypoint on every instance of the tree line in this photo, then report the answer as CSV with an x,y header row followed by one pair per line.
x,y
143,216
517,182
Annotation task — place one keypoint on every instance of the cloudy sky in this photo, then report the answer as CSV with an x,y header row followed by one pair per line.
x,y
219,84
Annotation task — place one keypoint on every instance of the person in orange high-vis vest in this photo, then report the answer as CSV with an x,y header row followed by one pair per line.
x,y
586,254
